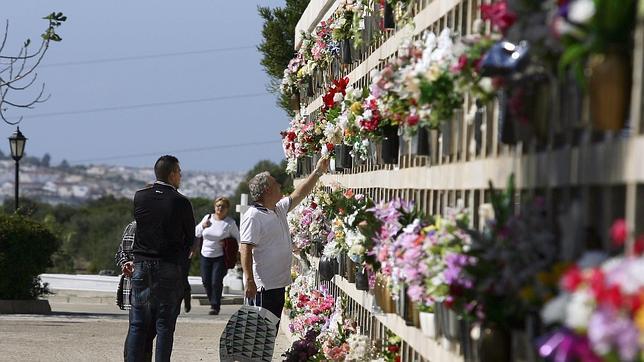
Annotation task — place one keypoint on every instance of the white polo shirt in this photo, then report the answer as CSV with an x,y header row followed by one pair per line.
x,y
268,232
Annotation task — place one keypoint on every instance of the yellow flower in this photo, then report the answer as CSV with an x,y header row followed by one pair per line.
x,y
639,322
356,108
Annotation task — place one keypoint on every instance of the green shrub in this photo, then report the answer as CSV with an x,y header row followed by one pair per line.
x,y
26,248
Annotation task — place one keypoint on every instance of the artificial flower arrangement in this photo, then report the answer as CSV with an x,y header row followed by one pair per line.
x,y
506,256
349,20
599,315
302,138
588,27
402,10
308,225
324,330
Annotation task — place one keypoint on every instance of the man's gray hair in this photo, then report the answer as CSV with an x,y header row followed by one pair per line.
x,y
258,185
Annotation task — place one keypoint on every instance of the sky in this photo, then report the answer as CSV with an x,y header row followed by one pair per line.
x,y
129,112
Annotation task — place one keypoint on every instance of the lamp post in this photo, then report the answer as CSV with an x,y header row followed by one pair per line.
x,y
17,144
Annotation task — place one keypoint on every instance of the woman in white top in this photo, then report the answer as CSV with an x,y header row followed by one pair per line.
x,y
214,228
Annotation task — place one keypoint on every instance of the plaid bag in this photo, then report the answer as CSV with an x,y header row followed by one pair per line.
x,y
249,335
123,293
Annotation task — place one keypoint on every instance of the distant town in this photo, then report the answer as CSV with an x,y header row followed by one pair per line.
x,y
77,184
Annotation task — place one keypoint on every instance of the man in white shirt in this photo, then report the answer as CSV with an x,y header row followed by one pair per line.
x,y
266,249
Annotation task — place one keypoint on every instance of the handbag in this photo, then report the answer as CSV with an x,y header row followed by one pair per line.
x,y
231,250
249,335
504,58
123,292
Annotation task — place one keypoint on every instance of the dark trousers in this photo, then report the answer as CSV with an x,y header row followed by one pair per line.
x,y
186,290
273,300
147,350
156,287
213,271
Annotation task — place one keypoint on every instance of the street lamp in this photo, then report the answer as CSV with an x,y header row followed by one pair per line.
x,y
17,144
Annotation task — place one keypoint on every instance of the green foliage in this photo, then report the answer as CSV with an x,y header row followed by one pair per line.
x,y
55,20
278,45
26,248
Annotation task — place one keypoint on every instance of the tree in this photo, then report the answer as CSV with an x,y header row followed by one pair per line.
x,y
17,72
278,45
46,160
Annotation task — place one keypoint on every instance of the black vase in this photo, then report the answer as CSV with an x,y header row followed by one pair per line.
x,y
342,157
362,278
309,88
390,144
303,166
294,101
345,49
327,267
494,345
418,144
389,22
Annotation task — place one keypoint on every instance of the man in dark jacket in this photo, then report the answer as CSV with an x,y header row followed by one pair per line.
x,y
165,230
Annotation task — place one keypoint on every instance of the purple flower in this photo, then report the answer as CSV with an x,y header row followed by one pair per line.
x,y
607,330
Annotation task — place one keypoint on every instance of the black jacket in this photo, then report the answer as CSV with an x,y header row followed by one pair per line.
x,y
165,224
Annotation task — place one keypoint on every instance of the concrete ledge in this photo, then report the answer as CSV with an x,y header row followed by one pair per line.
x,y
39,306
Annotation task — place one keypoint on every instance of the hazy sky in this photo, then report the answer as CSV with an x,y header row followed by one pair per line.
x,y
104,30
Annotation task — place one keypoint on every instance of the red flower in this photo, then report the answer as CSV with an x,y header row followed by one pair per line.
x,y
611,296
639,245
572,278
619,232
314,205
413,119
499,15
597,282
461,64
329,147
393,348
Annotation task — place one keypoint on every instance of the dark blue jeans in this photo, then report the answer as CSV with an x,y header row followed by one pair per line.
x,y
213,271
156,287
273,300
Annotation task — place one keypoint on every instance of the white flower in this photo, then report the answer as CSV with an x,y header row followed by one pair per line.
x,y
338,97
291,166
486,84
581,11
579,310
367,114
555,310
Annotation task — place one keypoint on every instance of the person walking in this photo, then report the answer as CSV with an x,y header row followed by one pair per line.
x,y
213,229
124,261
266,248
164,233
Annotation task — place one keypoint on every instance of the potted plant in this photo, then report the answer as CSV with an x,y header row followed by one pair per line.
x,y
596,35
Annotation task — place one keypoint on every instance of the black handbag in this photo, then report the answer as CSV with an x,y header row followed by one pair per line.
x,y
505,58
327,267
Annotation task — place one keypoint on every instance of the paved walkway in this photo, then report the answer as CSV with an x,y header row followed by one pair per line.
x,y
95,332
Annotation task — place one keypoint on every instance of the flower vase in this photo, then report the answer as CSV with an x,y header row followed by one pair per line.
x,y
382,295
327,267
418,144
309,88
389,21
341,265
304,166
390,144
351,270
314,160
451,326
411,313
508,133
468,346
342,157
294,101
609,89
345,50
428,324
362,278
446,137
494,344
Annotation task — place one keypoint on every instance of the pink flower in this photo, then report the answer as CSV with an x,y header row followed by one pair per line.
x,y
499,15
619,232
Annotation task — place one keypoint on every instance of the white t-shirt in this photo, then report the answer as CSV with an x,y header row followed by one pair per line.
x,y
268,232
212,235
